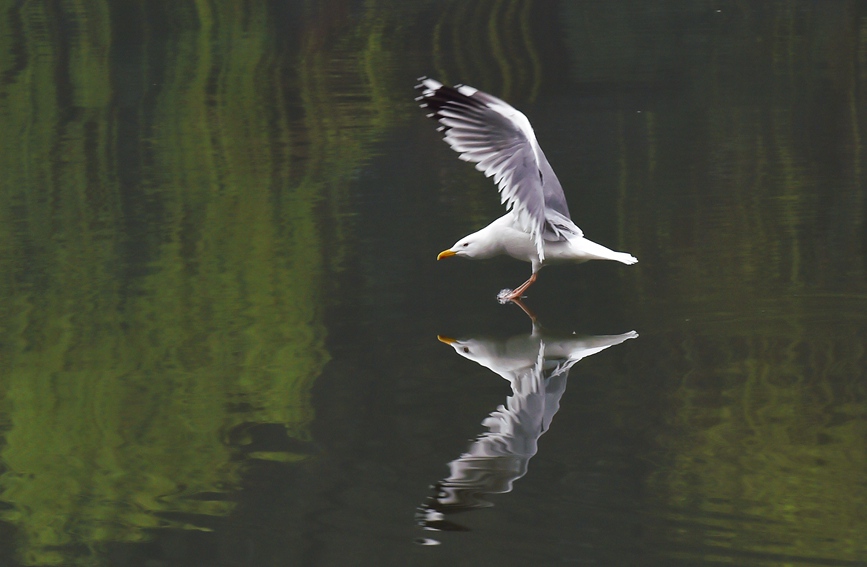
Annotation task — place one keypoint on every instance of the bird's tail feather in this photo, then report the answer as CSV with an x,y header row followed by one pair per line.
x,y
624,258
593,251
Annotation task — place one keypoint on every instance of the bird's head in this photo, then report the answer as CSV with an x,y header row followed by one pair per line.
x,y
475,245
468,348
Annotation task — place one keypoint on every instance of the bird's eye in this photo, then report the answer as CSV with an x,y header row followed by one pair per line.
x,y
466,350
465,244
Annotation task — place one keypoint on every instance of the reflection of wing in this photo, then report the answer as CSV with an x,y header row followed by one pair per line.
x,y
537,370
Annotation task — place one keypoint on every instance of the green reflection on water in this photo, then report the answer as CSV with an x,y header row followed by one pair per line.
x,y
161,253
166,171
763,449
756,250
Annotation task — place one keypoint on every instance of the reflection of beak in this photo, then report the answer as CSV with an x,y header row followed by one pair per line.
x,y
447,340
445,254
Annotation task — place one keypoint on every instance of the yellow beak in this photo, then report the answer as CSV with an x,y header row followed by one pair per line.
x,y
446,340
445,254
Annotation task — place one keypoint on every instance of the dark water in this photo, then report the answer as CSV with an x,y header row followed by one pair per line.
x,y
219,304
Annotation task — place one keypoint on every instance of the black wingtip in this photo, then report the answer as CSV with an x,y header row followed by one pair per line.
x,y
435,98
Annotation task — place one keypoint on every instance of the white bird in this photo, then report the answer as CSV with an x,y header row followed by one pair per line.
x,y
498,138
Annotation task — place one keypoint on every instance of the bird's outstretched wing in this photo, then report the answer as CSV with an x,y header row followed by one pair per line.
x,y
500,141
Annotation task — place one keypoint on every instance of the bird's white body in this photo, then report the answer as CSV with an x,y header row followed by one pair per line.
x,y
505,237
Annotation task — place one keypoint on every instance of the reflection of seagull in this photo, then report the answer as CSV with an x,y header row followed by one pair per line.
x,y
536,366
499,139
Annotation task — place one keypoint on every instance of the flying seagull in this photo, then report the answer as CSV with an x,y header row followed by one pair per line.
x,y
498,138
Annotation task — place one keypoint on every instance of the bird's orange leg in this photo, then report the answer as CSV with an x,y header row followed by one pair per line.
x,y
522,288
525,309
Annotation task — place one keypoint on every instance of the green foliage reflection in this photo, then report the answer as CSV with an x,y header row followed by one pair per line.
x,y
741,185
162,253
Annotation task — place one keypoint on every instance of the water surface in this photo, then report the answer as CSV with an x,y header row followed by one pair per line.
x,y
219,303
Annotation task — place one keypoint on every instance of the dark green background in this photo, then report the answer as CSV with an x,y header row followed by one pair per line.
x,y
219,301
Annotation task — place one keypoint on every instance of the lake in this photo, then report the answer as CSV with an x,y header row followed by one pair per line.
x,y
225,338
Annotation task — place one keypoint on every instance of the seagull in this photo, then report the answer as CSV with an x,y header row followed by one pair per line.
x,y
498,138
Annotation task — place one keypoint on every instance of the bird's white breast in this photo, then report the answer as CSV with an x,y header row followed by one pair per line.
x,y
516,243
